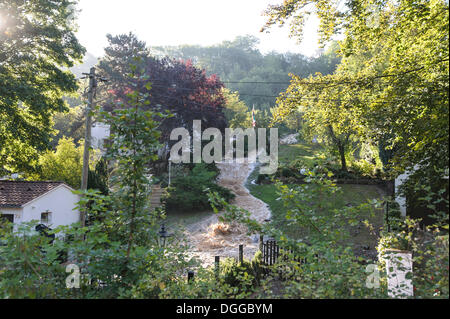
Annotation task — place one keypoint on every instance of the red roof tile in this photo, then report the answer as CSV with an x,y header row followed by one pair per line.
x,y
17,193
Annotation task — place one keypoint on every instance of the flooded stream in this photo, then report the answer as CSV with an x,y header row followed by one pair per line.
x,y
210,238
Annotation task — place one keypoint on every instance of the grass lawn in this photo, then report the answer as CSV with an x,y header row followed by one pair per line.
x,y
351,194
288,153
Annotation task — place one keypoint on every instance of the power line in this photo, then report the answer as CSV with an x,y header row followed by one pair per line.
x,y
303,98
359,81
192,89
300,98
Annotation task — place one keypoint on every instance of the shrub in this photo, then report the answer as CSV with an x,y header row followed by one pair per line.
x,y
262,178
364,168
187,193
429,248
242,276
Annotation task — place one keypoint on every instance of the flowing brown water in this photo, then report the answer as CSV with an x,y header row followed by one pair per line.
x,y
210,238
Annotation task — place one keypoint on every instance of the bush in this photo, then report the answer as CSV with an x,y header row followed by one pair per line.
x,y
262,178
242,276
364,168
340,174
187,193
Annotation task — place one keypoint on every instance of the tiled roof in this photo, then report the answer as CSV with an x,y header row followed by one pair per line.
x,y
17,193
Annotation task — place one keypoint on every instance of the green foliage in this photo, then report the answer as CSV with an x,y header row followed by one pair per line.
x,y
65,163
37,43
363,168
329,272
429,248
393,77
331,120
236,112
98,178
119,246
186,192
239,61
133,145
243,277
29,265
321,221
426,194
69,124
332,270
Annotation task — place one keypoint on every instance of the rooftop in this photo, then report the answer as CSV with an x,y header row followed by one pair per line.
x,y
14,194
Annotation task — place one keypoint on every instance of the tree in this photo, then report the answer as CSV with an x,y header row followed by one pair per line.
x,y
134,143
398,87
177,86
37,41
69,124
331,119
247,70
65,163
236,112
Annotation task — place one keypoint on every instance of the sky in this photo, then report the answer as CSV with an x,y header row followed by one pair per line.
x,y
177,22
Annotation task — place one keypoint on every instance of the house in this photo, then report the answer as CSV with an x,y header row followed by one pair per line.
x,y
400,199
50,203
99,134
411,206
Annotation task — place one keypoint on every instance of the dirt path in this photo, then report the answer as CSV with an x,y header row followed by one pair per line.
x,y
210,238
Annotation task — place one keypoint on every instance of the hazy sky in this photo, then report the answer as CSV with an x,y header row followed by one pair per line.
x,y
175,22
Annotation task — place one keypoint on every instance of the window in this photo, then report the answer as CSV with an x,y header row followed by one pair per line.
x,y
8,217
4,219
45,217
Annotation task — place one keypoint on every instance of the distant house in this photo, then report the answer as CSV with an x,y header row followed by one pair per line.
x,y
99,134
411,206
400,199
49,203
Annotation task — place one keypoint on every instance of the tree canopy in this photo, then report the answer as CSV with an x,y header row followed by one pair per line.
x,y
37,45
258,77
236,112
393,77
173,85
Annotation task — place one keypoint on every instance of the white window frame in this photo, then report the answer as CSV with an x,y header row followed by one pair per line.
x,y
49,217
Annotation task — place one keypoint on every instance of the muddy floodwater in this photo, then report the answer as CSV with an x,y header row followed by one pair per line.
x,y
210,238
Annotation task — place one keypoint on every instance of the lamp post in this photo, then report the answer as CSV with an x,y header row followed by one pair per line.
x,y
163,235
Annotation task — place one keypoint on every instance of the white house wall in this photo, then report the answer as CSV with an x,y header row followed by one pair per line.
x,y
17,212
60,203
398,182
399,199
99,132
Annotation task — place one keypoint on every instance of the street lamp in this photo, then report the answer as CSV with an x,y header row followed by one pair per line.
x,y
163,235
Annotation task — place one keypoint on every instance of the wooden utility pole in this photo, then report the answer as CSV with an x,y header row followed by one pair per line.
x,y
87,137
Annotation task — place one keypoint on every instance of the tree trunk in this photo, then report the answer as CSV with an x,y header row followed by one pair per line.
x,y
343,160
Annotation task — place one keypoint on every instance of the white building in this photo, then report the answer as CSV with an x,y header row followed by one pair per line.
x,y
400,199
99,133
50,203
402,178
